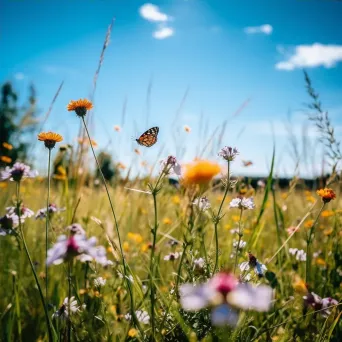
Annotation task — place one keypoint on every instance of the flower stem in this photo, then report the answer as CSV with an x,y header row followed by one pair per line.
x,y
134,317
217,220
34,271
308,245
47,228
239,240
69,295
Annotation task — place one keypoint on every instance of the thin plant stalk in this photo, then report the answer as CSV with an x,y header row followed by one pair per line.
x,y
134,317
33,270
47,227
239,240
69,295
308,245
218,218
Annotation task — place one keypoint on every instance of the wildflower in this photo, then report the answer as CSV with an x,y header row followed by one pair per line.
x,y
24,212
80,107
137,238
130,278
99,282
261,183
77,246
6,159
187,129
7,146
242,203
290,230
327,213
170,165
167,221
50,139
175,199
132,332
326,194
253,262
172,256
41,213
202,203
298,253
18,172
63,311
142,316
8,223
85,141
319,304
117,128
228,153
242,244
299,285
76,228
200,172
225,295
199,263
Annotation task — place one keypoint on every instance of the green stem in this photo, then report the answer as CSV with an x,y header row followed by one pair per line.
x,y
48,323
217,220
47,228
238,244
308,245
69,300
134,317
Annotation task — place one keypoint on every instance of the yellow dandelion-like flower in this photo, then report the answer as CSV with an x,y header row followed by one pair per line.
x,y
82,291
50,139
328,231
320,261
284,195
80,107
175,199
125,246
327,213
308,224
6,159
236,218
299,285
166,220
132,332
228,226
7,146
3,185
326,194
117,128
200,172
187,129
311,199
137,238
145,247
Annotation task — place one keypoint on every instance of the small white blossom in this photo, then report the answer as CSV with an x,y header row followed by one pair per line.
x,y
298,253
142,316
41,213
199,263
24,212
171,165
202,203
99,282
172,256
242,203
63,311
242,244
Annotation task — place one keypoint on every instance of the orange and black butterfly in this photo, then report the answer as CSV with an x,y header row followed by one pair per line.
x,y
247,163
149,138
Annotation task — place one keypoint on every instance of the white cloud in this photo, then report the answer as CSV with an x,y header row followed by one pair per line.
x,y
19,76
151,12
163,32
266,29
311,56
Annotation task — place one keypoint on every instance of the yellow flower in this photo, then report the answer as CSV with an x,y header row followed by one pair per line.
x,y
328,231
299,285
3,185
50,139
7,146
166,220
307,193
85,141
227,226
82,291
143,211
117,128
326,194
327,213
320,261
311,199
137,238
145,247
236,218
284,195
308,224
132,332
125,246
175,199
80,107
6,159
200,172
187,129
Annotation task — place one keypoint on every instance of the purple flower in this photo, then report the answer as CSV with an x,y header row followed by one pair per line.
x,y
319,304
24,212
41,213
76,228
18,172
172,256
225,295
170,165
76,246
228,153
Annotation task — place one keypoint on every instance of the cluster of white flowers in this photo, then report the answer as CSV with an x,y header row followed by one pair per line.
x,y
298,253
172,256
41,213
202,203
63,311
142,316
242,203
99,282
242,244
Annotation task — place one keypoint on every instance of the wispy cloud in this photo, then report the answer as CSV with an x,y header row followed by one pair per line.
x,y
265,29
312,56
152,12
163,32
19,76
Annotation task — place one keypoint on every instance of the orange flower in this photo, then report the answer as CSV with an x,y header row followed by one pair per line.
x,y
121,166
326,194
117,128
6,159
200,171
80,106
327,213
166,220
85,141
308,224
137,238
7,146
50,139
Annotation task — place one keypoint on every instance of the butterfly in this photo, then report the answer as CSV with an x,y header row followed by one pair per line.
x,y
247,163
149,138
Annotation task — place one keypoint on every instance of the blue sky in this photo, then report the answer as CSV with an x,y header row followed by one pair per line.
x,y
225,53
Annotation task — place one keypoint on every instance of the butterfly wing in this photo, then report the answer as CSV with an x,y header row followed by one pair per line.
x,y
149,138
